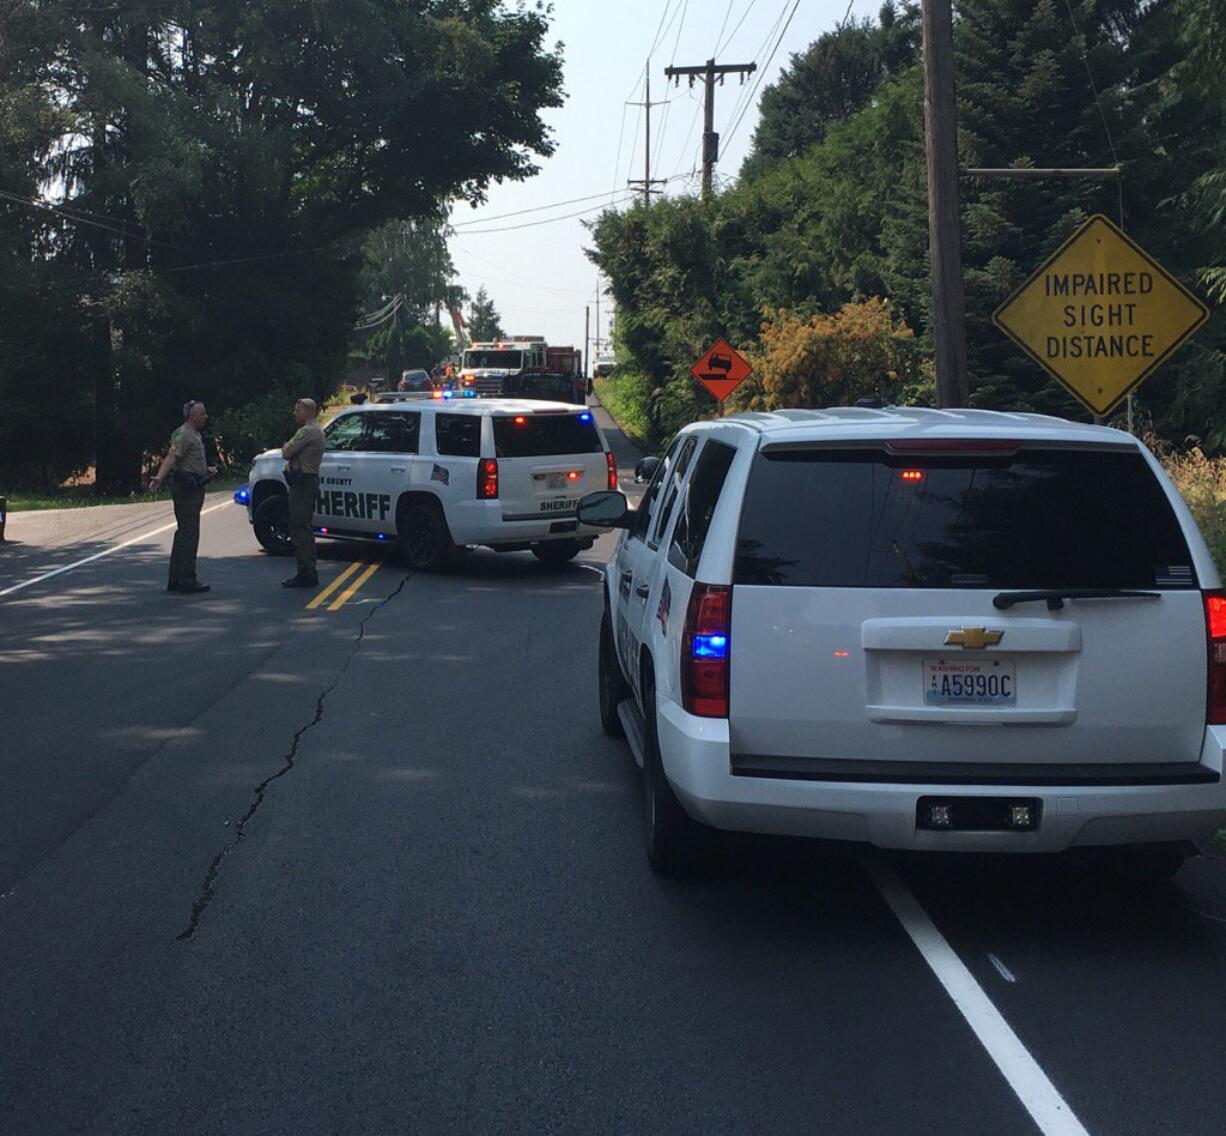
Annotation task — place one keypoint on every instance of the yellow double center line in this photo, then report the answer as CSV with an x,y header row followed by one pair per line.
x,y
369,569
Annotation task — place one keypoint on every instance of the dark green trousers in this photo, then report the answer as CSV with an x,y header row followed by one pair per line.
x,y
301,512
188,502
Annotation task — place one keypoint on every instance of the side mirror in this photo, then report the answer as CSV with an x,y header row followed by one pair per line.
x,y
357,399
604,510
646,468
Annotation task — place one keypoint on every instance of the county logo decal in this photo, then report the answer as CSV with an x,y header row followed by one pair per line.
x,y
666,604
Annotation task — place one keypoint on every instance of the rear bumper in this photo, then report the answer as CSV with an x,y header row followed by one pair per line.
x,y
481,522
698,762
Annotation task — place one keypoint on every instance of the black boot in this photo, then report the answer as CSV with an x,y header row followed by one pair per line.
x,y
311,581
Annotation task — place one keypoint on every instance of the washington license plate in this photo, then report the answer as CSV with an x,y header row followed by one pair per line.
x,y
983,682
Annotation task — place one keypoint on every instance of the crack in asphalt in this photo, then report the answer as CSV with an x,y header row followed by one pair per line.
x,y
208,890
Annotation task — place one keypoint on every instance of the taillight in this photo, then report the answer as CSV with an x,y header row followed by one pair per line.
x,y
1215,626
612,469
487,479
705,649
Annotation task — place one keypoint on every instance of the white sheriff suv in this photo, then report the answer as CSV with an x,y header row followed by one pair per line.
x,y
919,629
443,475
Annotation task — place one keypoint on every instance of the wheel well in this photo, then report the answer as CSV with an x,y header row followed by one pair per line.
x,y
407,500
262,490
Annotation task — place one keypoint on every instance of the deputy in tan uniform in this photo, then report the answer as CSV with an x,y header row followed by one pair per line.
x,y
187,471
304,452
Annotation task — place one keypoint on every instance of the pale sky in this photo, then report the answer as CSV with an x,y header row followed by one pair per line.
x,y
538,276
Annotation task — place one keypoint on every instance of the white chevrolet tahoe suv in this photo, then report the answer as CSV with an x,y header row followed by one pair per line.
x,y
920,629
442,475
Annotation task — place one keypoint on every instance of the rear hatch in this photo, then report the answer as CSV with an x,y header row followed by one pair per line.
x,y
547,460
865,629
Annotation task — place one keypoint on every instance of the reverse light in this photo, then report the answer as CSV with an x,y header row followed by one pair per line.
x,y
1215,628
705,645
487,479
612,470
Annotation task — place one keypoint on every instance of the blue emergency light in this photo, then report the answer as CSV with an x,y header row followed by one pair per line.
x,y
710,646
242,495
585,417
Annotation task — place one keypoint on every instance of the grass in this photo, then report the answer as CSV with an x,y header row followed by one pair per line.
x,y
624,396
82,496
1202,482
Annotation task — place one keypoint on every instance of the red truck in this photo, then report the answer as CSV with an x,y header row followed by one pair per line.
x,y
568,361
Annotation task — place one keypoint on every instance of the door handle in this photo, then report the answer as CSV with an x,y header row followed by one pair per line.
x,y
343,468
642,591
397,469
627,576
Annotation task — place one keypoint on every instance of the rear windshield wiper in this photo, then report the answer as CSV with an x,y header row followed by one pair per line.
x,y
1055,597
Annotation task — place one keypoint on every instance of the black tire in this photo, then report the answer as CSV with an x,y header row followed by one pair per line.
x,y
557,551
271,523
425,539
677,845
612,685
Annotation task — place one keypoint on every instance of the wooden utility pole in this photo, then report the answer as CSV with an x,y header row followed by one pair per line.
x,y
647,181
944,219
587,338
709,72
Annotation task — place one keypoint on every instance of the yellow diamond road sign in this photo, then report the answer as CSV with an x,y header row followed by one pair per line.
x,y
1100,315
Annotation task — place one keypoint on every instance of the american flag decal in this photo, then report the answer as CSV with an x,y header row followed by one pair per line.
x,y
440,473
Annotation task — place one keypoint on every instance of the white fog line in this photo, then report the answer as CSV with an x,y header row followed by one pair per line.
x,y
1001,969
1038,1095
105,552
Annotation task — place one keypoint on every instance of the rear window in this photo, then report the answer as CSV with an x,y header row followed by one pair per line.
x,y
1034,519
458,435
543,435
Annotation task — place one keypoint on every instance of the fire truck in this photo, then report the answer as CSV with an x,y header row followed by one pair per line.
x,y
486,366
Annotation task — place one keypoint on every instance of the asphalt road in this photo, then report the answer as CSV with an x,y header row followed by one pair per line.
x,y
266,869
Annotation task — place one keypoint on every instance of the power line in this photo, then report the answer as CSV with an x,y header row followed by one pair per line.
x,y
551,220
534,209
732,35
720,35
762,74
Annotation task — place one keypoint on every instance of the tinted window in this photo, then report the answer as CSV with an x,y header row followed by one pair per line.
x,y
392,433
1036,519
647,506
495,360
706,484
345,433
458,435
542,435
674,485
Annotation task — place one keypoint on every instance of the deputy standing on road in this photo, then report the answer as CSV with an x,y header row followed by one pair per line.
x,y
188,471
304,452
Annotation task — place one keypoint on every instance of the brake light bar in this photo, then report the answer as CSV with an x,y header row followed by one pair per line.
x,y
612,470
953,445
487,479
705,651
1215,629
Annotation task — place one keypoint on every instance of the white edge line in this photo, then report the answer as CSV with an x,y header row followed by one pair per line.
x,y
104,552
1040,1098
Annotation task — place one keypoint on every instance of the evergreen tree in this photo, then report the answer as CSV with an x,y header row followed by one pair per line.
x,y
484,323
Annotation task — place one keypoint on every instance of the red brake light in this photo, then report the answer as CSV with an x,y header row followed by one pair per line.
x,y
912,475
487,479
705,651
1215,627
953,445
520,420
612,470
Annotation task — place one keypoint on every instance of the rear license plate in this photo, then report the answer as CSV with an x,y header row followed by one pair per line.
x,y
959,682
555,481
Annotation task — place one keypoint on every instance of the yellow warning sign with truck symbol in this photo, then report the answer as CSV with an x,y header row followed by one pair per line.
x,y
1100,315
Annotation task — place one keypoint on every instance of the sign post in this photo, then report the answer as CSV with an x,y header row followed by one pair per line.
x,y
720,371
1100,315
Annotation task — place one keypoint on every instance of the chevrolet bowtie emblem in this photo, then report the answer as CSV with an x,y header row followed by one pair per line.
x,y
974,638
